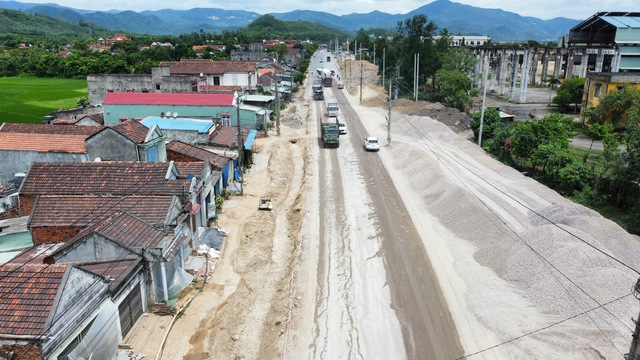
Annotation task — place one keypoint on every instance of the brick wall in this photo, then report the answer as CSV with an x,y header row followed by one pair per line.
x,y
23,351
26,204
51,234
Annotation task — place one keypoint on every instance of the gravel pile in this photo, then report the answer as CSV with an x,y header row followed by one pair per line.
x,y
526,255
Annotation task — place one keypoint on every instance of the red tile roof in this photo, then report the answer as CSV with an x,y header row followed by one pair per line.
x,y
86,210
194,168
208,66
28,294
102,178
225,136
36,254
73,144
176,99
218,89
132,129
130,231
87,131
120,227
65,121
46,138
217,161
116,271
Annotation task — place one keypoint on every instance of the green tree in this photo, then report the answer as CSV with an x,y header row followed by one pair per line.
x,y
615,107
597,132
460,59
414,36
454,88
490,122
570,92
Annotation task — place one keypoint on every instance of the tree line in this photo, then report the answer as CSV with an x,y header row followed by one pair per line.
x,y
42,58
607,180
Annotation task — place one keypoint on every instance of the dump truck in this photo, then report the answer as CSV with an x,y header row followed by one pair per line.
x,y
332,109
318,93
330,135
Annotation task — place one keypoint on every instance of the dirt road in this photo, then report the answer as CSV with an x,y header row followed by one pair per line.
x,y
524,272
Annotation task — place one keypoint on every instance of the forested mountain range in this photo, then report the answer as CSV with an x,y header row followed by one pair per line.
x,y
456,18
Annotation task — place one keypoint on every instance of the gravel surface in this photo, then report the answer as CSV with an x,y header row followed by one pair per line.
x,y
524,270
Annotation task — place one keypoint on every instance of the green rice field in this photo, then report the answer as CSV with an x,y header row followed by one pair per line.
x,y
29,99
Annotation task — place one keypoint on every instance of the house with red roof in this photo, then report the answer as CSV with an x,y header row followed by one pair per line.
x,y
55,311
121,106
150,141
23,144
150,259
185,76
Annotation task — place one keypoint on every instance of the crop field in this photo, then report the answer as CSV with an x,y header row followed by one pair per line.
x,y
29,99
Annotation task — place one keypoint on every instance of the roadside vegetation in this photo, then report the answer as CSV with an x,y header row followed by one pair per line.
x,y
607,180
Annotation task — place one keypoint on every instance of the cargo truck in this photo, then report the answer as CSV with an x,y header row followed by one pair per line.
x,y
330,135
318,93
332,109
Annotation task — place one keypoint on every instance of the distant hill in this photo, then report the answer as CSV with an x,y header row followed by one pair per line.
x,y
462,19
30,26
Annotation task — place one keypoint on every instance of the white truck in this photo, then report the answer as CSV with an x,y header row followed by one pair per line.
x,y
332,109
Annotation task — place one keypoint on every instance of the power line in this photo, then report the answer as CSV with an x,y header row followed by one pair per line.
x,y
542,328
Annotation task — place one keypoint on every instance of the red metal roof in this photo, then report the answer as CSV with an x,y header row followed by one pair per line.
x,y
177,99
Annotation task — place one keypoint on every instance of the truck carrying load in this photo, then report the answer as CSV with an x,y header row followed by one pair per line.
x,y
332,109
330,135
318,93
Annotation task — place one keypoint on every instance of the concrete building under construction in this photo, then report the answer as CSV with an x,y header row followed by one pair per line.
x,y
607,42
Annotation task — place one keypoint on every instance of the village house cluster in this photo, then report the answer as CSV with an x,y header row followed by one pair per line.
x,y
103,206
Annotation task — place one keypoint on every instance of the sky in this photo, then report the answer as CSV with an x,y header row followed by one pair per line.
x,y
573,9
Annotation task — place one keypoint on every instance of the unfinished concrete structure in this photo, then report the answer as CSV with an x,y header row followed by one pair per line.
x,y
607,42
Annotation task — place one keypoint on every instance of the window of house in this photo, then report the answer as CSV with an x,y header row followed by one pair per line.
x,y
226,119
194,87
598,90
152,154
216,80
158,87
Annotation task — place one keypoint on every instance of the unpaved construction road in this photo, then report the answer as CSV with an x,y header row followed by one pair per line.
x,y
427,249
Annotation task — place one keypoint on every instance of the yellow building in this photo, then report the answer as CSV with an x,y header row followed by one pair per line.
x,y
598,85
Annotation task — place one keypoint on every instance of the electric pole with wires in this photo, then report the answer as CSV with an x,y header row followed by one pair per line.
x,y
633,350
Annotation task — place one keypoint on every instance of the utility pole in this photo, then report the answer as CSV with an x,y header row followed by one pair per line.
x,y
415,66
374,53
240,148
389,116
484,99
415,75
361,81
277,109
634,338
383,66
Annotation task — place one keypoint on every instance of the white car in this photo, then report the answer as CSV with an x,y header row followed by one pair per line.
x,y
343,128
340,85
371,143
